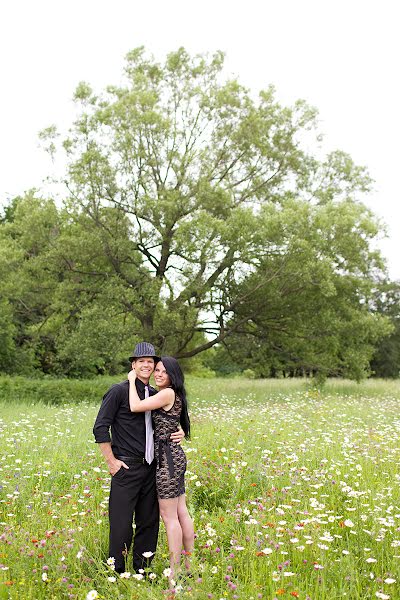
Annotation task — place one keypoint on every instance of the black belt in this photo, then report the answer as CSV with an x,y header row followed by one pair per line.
x,y
164,444
133,459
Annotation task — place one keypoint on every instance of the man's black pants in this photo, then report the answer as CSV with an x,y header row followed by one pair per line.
x,y
133,492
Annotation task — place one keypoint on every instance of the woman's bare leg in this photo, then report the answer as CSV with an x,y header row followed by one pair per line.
x,y
169,514
186,524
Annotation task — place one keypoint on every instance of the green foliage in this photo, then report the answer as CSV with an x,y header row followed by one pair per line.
x,y
53,391
7,334
386,359
57,391
195,216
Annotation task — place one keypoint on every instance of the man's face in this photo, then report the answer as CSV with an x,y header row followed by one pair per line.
x,y
143,367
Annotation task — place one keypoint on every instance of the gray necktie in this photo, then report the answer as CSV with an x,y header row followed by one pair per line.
x,y
149,452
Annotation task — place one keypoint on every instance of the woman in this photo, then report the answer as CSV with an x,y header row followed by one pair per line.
x,y
169,409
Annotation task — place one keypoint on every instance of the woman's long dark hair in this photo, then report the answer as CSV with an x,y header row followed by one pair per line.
x,y
177,379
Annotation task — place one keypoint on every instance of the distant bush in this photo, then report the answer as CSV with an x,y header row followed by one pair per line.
x,y
203,373
54,391
249,374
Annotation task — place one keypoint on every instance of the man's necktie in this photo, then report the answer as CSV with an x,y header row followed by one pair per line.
x,y
149,452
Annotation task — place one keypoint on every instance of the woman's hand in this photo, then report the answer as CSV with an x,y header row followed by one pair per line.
x,y
132,376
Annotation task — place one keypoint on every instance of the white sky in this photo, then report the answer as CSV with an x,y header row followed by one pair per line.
x,y
342,56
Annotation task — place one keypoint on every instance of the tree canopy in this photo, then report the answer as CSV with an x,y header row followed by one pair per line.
x,y
195,216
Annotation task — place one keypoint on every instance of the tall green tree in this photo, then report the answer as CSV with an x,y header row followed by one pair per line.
x,y
386,359
28,229
199,170
308,308
195,214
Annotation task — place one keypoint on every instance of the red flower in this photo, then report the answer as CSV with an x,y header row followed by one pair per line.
x,y
50,533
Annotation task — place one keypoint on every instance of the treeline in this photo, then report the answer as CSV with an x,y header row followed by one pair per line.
x,y
197,218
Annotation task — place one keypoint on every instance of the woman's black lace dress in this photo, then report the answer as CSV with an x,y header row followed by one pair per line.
x,y
171,459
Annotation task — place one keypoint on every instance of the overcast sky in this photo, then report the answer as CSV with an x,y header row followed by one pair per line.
x,y
339,55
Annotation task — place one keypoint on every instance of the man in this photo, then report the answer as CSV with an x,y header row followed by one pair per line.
x,y
129,454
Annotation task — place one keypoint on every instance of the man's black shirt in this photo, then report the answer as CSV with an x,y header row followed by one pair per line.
x,y
128,433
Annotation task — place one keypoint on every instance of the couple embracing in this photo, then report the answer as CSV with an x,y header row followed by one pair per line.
x,y
145,460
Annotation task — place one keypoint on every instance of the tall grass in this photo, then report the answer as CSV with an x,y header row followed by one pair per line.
x,y
60,391
294,492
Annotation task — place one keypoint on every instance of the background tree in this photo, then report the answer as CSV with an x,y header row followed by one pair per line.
x,y
26,283
386,359
308,308
194,214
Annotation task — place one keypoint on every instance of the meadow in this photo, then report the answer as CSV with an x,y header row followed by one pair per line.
x,y
294,491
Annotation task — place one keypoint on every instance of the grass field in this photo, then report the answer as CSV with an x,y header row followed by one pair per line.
x,y
295,493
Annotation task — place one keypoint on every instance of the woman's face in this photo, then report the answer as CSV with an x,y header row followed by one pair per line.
x,y
161,376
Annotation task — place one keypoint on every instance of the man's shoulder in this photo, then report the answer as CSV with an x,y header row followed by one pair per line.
x,y
118,388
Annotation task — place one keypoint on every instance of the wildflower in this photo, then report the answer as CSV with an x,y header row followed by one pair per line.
x,y
214,570
147,554
44,576
266,551
125,575
92,595
390,580
152,576
382,596
348,523
79,555
288,574
137,576
167,572
112,579
371,560
318,567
